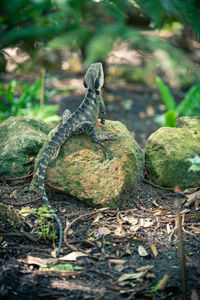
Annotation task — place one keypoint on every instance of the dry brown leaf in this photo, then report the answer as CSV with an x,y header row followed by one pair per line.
x,y
190,191
117,261
72,256
41,262
25,211
131,220
194,295
135,228
153,249
155,203
104,230
146,222
150,111
145,268
142,251
128,276
97,218
13,194
169,228
119,232
193,198
163,283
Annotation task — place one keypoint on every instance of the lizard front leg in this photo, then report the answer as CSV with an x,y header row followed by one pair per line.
x,y
102,108
88,127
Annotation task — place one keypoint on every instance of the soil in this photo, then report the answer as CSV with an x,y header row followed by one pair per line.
x,y
140,240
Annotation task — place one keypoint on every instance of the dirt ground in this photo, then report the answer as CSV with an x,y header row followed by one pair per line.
x,y
126,252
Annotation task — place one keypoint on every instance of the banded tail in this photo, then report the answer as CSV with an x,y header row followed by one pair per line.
x,y
41,178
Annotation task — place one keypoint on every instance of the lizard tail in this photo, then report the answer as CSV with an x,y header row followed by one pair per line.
x,y
41,176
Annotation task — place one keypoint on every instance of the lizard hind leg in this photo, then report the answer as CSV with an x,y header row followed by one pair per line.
x,y
65,116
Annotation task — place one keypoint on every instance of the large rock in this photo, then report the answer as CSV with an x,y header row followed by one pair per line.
x,y
20,139
94,174
168,150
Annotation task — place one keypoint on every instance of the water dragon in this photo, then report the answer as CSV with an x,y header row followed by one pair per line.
x,y
82,120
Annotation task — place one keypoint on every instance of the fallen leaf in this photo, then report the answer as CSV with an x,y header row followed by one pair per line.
x,y
142,251
169,229
104,230
146,222
190,191
97,218
145,268
119,232
124,283
131,220
117,261
150,111
25,211
41,262
142,115
193,198
163,282
128,276
70,231
127,104
155,203
135,227
13,194
150,275
194,295
153,249
72,256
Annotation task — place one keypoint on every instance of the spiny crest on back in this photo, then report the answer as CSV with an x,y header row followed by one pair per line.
x,y
94,77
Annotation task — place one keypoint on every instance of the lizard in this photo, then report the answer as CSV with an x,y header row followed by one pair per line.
x,y
82,120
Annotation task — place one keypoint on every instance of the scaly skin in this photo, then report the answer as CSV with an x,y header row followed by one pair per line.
x,y
82,120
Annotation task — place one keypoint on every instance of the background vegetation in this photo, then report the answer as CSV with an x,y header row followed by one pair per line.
x,y
93,28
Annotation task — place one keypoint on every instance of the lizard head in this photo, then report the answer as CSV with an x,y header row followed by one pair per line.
x,y
94,77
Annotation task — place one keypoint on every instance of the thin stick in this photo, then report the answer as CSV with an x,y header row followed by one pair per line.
x,y
181,250
42,86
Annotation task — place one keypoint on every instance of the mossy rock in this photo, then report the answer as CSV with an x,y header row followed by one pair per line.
x,y
94,174
20,139
167,152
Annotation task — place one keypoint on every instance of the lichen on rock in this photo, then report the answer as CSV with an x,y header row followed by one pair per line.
x,y
94,174
167,152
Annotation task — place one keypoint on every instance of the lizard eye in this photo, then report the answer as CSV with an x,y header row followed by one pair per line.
x,y
84,84
96,84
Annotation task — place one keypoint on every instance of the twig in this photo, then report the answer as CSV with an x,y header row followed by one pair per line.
x,y
21,203
20,178
181,250
69,225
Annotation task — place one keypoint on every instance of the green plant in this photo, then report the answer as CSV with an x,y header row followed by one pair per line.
x,y
190,105
195,164
22,99
45,232
65,267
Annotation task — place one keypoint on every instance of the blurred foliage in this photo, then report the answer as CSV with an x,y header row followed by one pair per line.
x,y
190,105
162,12
173,62
28,23
88,25
23,99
